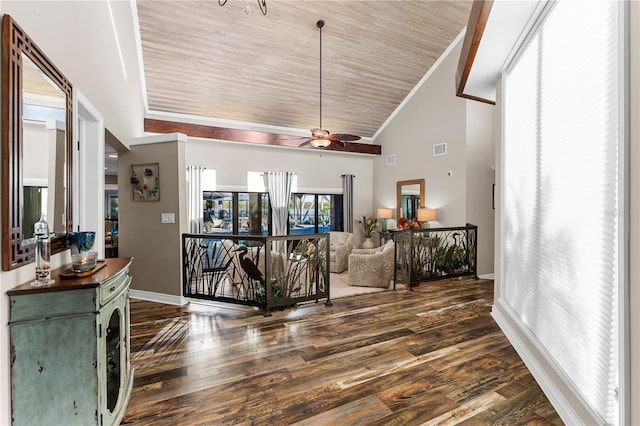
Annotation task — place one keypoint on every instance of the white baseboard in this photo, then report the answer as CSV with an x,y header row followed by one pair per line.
x,y
158,297
567,402
487,276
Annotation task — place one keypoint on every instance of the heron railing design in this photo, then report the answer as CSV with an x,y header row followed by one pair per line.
x,y
435,253
266,272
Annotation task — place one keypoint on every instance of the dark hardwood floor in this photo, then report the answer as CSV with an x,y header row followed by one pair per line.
x,y
431,356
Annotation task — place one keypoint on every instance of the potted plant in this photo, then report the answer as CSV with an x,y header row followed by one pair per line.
x,y
369,224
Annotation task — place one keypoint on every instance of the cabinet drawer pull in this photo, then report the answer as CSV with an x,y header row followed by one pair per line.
x,y
112,289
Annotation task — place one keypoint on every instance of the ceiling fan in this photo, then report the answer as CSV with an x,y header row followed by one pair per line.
x,y
321,138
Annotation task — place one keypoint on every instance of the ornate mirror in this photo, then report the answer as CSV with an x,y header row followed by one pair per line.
x,y
409,198
36,147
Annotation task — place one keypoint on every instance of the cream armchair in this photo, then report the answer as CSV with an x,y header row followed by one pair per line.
x,y
372,267
341,244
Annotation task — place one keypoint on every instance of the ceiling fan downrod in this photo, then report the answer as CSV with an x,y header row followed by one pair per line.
x,y
320,24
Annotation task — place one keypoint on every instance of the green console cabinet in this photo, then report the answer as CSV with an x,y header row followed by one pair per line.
x,y
70,348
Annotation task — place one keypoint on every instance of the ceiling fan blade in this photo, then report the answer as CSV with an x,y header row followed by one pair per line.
x,y
306,143
343,137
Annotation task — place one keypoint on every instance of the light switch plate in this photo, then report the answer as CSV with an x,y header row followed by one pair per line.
x,y
168,217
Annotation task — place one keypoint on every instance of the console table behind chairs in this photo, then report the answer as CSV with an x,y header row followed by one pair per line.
x,y
266,272
425,255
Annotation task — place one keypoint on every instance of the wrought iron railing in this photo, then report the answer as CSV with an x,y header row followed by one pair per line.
x,y
435,253
266,272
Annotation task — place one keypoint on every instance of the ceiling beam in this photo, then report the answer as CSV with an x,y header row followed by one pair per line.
x,y
249,136
475,29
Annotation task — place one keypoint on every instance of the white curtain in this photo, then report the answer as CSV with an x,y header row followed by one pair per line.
x,y
563,197
279,187
194,203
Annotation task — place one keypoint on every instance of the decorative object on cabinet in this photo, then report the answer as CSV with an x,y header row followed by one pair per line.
x,y
83,259
70,349
43,253
69,272
372,267
403,223
383,215
145,182
28,73
444,253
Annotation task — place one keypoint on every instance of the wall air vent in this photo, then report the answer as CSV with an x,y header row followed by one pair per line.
x,y
390,159
440,149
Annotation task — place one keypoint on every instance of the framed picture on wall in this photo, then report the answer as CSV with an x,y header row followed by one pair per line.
x,y
145,182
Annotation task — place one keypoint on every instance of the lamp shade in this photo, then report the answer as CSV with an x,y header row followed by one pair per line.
x,y
385,213
425,215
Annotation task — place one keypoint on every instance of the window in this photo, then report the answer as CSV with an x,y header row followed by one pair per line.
x,y
562,234
314,213
248,213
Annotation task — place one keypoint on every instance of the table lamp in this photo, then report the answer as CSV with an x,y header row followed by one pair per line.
x,y
384,214
424,216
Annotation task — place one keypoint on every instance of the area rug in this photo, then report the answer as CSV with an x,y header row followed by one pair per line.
x,y
340,287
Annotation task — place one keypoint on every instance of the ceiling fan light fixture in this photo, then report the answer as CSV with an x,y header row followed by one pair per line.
x,y
319,133
247,9
320,143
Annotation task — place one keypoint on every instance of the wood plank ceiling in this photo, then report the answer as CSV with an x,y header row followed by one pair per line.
x,y
204,60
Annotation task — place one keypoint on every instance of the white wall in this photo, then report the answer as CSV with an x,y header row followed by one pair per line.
x,y
78,37
458,184
36,152
318,171
480,179
433,115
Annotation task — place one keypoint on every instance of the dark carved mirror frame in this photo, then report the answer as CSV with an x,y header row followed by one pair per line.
x,y
15,43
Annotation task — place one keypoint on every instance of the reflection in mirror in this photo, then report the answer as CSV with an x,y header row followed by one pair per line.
x,y
43,150
409,198
36,147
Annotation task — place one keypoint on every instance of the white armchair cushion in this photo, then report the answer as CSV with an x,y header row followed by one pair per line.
x,y
372,267
341,245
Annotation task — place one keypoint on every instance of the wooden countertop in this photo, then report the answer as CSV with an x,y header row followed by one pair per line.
x,y
113,267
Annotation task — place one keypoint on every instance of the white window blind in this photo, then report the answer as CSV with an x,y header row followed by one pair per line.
x,y
562,231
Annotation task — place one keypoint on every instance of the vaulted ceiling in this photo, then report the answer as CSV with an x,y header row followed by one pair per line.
x,y
206,60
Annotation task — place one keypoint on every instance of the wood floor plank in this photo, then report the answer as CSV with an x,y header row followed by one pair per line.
x,y
360,412
430,356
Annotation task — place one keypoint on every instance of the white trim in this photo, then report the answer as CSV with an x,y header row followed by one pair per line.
x,y
88,163
138,38
152,296
35,182
624,326
490,276
571,409
422,81
159,138
56,125
221,305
